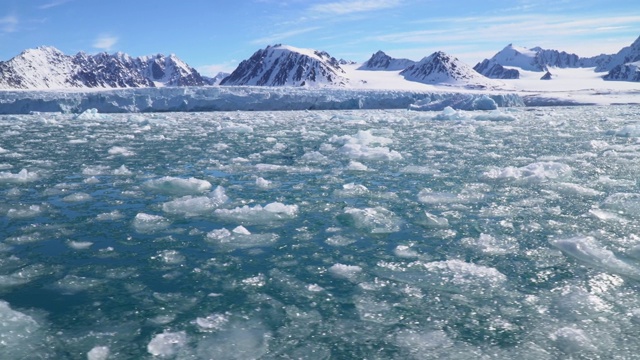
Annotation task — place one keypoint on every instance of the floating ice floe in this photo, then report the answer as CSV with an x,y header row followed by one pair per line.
x,y
572,341
98,353
196,205
119,150
345,271
20,334
147,223
626,131
275,211
90,114
360,146
178,186
376,220
532,173
454,276
25,212
239,238
623,203
77,197
24,176
167,343
587,250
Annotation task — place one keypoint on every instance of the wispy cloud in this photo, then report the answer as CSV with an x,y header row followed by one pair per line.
x,y
283,35
353,6
9,24
52,4
105,42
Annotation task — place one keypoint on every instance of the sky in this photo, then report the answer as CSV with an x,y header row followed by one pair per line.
x,y
215,35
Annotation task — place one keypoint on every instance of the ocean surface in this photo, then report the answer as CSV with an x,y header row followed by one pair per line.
x,y
370,234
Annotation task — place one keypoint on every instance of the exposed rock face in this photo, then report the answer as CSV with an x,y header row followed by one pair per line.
x,y
282,65
382,61
48,68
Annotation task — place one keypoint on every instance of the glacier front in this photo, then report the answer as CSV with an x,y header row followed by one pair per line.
x,y
242,98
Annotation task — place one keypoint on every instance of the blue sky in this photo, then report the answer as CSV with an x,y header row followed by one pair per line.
x,y
214,35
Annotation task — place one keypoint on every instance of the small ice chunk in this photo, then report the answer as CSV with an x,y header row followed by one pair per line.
x,y
356,166
448,113
495,115
119,150
345,271
92,180
19,333
170,257
167,343
571,340
271,212
79,245
90,114
433,221
263,184
239,238
532,173
339,240
77,197
98,353
177,186
24,176
147,223
113,215
24,212
377,220
212,322
196,205
241,230
351,190
122,171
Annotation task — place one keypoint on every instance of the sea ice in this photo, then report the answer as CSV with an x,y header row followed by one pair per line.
x,y
258,214
177,186
19,333
24,176
345,271
147,223
532,173
98,353
239,238
196,205
167,343
377,220
587,250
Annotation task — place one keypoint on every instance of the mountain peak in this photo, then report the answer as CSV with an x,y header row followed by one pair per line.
x,y
284,65
442,68
381,61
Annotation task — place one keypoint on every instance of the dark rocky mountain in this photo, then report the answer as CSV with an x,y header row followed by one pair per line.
x,y
48,68
382,61
282,65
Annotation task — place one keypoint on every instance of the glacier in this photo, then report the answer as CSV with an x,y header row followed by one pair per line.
x,y
242,98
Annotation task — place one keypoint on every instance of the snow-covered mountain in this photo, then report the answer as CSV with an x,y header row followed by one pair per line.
x,y
626,72
49,68
282,65
216,79
625,65
505,63
442,68
382,61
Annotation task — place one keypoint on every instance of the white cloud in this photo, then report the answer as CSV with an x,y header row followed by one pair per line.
x,y
283,35
9,24
105,42
53,3
357,6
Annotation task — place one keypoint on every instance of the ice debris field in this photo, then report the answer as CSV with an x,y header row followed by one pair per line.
x,y
377,234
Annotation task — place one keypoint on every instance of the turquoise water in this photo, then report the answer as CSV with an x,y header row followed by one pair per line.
x,y
321,235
